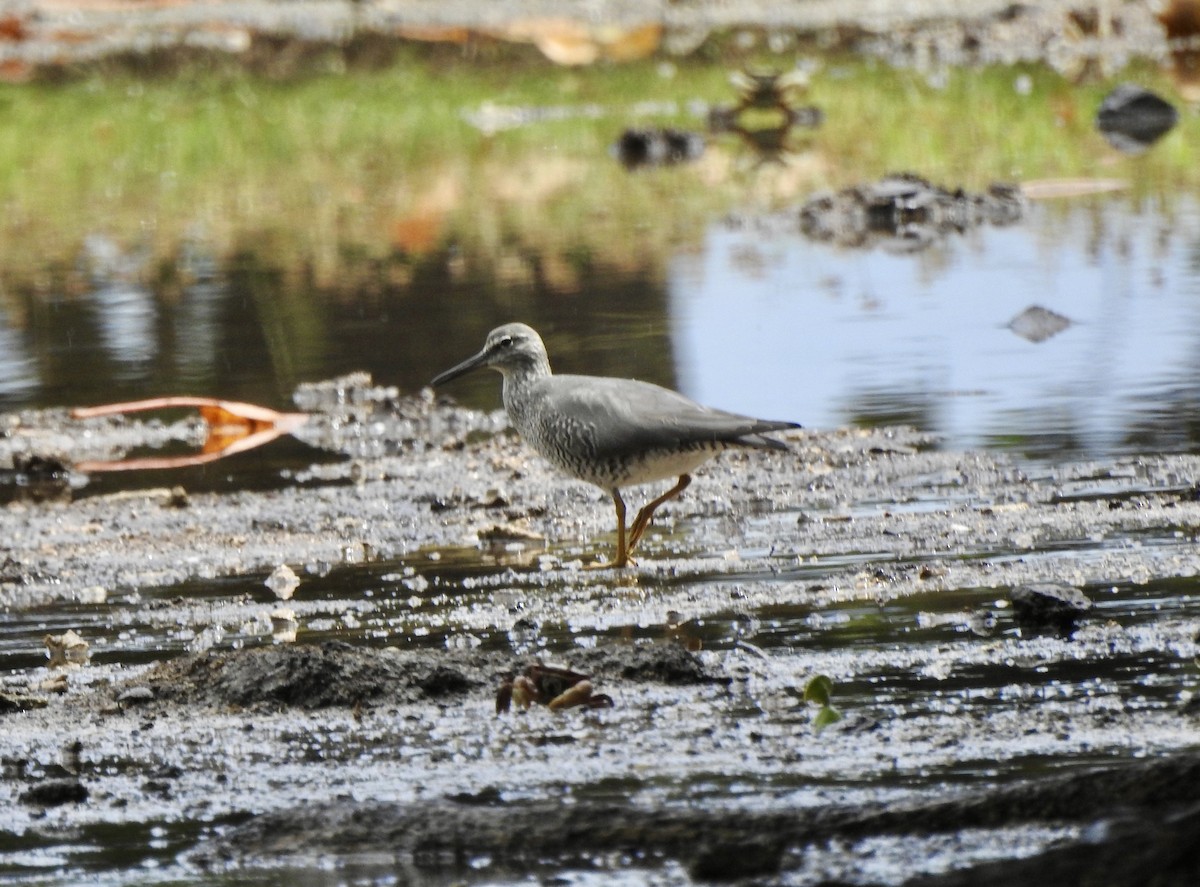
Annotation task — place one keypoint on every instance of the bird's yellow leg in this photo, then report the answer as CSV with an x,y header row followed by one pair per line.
x,y
643,517
622,558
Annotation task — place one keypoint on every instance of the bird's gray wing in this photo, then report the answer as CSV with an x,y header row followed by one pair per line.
x,y
622,416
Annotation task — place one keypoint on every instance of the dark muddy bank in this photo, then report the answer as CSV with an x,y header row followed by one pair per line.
x,y
1148,835
437,555
1132,822
336,674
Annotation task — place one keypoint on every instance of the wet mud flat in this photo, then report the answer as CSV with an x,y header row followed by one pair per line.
x,y
434,554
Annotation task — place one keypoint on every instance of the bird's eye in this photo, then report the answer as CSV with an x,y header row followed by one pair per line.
x,y
506,342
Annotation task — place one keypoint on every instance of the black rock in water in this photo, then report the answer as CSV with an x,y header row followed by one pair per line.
x,y
1132,119
1049,608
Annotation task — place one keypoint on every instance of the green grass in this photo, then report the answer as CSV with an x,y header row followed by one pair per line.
x,y
335,170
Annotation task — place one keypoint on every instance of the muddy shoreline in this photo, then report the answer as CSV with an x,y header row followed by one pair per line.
x,y
52,39
401,461
400,739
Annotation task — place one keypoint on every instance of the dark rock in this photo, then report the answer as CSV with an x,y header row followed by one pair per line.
x,y
489,796
1049,608
55,792
40,469
906,212
657,147
444,681
754,856
1037,324
667,663
135,696
157,787
13,702
306,677
1132,119
36,478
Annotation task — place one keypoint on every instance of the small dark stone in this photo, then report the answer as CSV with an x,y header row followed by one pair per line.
x,y
38,478
1049,608
135,696
1132,119
157,787
55,792
485,796
1037,324
905,212
667,663
657,147
40,469
748,858
444,681
333,674
13,702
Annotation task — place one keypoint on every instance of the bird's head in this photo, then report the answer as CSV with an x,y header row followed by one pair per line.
x,y
510,349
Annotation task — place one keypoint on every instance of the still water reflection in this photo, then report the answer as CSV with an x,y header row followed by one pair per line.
x,y
788,327
753,319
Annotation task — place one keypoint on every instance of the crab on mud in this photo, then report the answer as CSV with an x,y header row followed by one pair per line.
x,y
551,686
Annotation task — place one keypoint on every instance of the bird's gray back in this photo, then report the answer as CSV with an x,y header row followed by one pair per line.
x,y
612,431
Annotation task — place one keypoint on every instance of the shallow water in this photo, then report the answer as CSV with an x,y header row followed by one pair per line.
x,y
935,708
777,325
757,320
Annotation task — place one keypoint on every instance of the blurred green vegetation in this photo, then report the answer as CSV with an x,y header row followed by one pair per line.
x,y
341,176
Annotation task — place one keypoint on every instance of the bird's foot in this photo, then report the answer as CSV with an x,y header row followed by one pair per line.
x,y
615,564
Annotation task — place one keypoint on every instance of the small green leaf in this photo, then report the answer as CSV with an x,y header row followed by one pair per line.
x,y
826,716
818,690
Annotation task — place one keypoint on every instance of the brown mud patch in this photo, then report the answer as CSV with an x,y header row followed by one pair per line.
x,y
338,674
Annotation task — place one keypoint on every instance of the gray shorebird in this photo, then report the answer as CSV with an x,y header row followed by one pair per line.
x,y
609,432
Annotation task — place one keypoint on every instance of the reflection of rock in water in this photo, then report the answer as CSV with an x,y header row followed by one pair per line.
x,y
769,142
905,211
765,116
1132,119
1037,324
768,89
651,146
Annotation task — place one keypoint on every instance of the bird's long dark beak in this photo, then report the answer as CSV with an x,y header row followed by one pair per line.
x,y
471,363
